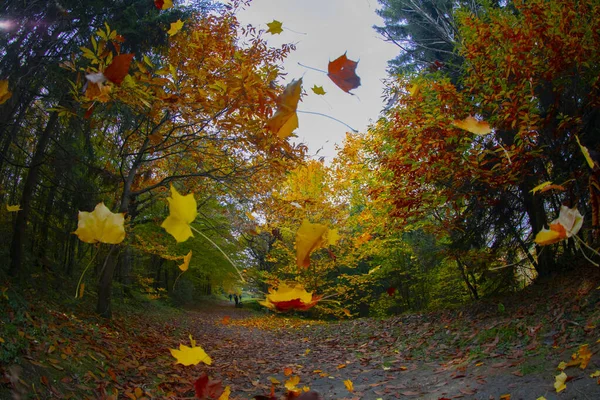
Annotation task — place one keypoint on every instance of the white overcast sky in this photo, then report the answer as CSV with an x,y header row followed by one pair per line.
x,y
331,28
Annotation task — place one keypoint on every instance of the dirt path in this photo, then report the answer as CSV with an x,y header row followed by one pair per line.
x,y
381,358
483,351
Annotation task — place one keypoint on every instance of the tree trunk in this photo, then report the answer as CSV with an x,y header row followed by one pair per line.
x,y
103,306
534,207
106,278
20,228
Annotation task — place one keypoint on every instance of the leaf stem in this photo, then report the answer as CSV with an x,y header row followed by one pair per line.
x,y
85,270
590,248
221,250
330,117
314,69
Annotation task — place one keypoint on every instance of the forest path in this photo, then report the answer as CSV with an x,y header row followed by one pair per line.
x,y
482,355
488,350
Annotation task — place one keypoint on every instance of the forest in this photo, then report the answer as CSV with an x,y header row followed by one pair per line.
x,y
150,174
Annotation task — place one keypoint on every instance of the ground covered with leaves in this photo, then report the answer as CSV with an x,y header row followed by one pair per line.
x,y
503,348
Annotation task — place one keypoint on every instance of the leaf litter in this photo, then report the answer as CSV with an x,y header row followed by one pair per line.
x,y
481,351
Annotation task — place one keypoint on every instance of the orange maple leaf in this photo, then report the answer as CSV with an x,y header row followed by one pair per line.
x,y
342,71
285,119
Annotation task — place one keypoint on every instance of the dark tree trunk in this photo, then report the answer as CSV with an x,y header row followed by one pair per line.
x,y
107,273
19,234
534,207
103,306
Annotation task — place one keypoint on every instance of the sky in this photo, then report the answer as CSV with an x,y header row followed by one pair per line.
x,y
323,30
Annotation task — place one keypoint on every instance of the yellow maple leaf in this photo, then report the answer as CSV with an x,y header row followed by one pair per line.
x,y
14,208
567,224
556,233
349,385
5,94
584,151
311,237
182,212
540,187
191,355
290,297
562,365
273,380
175,27
318,90
285,119
166,4
474,126
291,383
101,225
186,262
225,394
559,384
275,27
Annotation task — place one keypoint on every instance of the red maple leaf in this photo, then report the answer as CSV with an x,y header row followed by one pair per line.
x,y
119,67
391,291
207,388
342,72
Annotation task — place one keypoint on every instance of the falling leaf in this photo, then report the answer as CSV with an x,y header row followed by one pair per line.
x,y
14,208
311,237
186,262
101,225
225,394
540,187
347,312
163,4
342,71
81,289
275,27
285,119
318,90
191,355
560,385
595,374
583,149
273,380
182,212
206,387
341,366
505,397
567,224
287,297
175,27
119,68
474,126
226,319
287,371
555,234
349,385
97,92
541,398
291,383
5,94
391,291
561,366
